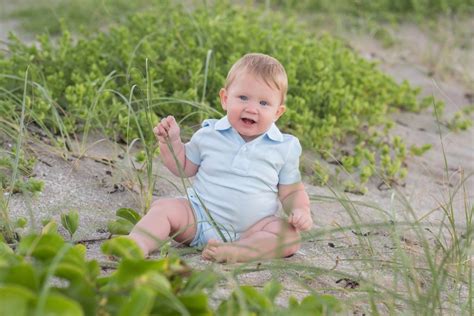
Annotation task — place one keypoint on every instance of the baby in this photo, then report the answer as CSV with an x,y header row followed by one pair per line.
x,y
243,167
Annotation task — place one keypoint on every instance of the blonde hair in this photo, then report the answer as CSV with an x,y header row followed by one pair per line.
x,y
266,67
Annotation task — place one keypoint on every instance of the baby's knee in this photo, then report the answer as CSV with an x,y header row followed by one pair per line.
x,y
161,206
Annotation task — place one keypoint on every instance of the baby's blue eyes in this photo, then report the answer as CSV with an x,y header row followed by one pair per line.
x,y
245,98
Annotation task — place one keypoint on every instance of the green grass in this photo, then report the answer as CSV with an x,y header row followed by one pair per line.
x,y
6,227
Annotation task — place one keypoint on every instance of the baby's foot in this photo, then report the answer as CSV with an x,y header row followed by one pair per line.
x,y
220,252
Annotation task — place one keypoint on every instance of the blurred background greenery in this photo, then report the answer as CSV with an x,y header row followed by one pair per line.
x,y
94,63
45,15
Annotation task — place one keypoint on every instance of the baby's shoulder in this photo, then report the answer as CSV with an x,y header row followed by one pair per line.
x,y
289,145
207,129
290,140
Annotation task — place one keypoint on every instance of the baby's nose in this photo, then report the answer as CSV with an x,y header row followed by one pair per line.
x,y
252,107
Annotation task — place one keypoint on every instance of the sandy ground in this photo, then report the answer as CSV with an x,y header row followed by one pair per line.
x,y
97,190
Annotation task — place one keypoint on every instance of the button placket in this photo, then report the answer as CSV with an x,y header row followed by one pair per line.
x,y
241,161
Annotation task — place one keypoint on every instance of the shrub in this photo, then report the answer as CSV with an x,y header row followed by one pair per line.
x,y
157,63
400,8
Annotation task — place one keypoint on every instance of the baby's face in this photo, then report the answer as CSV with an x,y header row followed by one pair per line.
x,y
252,106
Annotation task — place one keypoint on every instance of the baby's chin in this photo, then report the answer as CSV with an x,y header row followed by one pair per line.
x,y
249,136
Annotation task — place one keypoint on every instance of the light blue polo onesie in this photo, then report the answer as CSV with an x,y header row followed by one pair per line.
x,y
237,181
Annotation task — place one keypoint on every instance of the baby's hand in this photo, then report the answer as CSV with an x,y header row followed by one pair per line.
x,y
301,219
167,130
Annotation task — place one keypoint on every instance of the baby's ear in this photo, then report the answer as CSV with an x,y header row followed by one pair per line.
x,y
223,96
280,111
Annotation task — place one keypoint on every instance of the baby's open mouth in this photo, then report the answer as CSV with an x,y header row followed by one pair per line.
x,y
248,121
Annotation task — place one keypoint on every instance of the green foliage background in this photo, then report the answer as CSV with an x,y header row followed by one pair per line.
x,y
45,15
156,63
383,8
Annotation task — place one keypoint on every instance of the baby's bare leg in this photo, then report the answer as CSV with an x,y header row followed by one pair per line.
x,y
272,237
166,217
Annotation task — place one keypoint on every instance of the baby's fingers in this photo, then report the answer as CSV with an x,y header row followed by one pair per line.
x,y
306,224
300,221
160,133
294,219
171,127
169,122
164,123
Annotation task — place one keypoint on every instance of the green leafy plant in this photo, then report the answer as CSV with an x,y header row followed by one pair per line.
x,y
149,285
25,164
138,286
384,36
21,222
462,120
140,156
419,151
70,221
248,300
127,219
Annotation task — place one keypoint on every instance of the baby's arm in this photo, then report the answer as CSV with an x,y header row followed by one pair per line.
x,y
295,202
167,132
